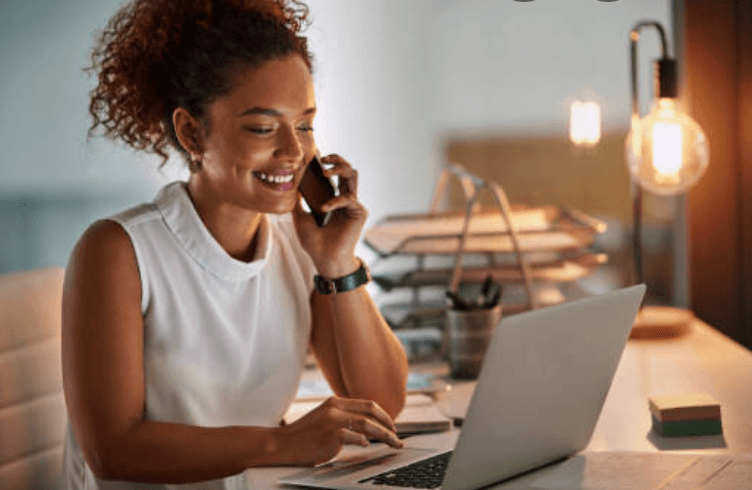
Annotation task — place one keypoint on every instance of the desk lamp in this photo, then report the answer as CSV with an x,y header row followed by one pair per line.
x,y
666,153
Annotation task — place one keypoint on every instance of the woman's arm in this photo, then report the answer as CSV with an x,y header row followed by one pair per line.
x,y
104,388
355,348
357,351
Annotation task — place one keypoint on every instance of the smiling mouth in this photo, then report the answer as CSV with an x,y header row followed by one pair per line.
x,y
282,181
274,179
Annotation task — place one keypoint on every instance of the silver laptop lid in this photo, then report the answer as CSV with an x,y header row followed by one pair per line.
x,y
542,386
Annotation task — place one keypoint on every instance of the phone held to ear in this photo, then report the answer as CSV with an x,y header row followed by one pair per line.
x,y
316,188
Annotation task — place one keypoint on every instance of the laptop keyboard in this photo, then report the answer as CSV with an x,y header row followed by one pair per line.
x,y
426,473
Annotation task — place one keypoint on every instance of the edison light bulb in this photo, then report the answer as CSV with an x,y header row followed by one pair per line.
x,y
667,151
585,123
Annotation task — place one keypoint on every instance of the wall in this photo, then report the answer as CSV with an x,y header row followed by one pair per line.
x,y
719,74
513,67
52,181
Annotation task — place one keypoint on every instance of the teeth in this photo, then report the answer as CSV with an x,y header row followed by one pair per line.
x,y
275,179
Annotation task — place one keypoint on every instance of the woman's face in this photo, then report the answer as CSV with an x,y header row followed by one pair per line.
x,y
261,137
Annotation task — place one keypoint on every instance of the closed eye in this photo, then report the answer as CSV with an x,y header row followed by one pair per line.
x,y
258,130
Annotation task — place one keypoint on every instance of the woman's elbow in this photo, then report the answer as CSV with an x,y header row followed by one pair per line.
x,y
108,457
97,463
396,406
104,462
396,402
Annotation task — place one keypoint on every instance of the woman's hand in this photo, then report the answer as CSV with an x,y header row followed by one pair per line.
x,y
332,247
319,435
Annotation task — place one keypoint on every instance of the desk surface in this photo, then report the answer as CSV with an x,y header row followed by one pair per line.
x,y
703,360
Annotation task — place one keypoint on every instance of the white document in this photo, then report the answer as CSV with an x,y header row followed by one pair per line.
x,y
649,471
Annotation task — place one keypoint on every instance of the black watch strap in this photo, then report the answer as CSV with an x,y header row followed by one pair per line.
x,y
344,283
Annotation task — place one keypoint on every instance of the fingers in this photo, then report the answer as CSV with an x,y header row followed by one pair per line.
x,y
368,419
371,409
347,436
347,203
348,176
372,430
347,199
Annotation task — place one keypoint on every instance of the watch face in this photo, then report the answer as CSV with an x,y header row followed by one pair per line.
x,y
322,285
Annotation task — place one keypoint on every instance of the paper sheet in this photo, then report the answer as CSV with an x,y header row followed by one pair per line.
x,y
318,389
649,471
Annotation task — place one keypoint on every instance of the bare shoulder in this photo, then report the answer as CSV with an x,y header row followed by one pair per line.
x,y
103,263
104,236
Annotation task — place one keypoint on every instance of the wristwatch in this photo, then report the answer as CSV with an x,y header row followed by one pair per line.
x,y
344,283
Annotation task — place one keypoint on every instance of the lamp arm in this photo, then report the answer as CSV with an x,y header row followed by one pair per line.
x,y
636,190
634,37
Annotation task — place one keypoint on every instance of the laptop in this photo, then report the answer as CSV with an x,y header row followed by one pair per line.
x,y
537,399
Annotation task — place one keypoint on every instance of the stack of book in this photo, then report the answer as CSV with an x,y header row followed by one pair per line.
x,y
695,414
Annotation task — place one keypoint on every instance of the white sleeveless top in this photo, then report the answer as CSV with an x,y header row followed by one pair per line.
x,y
224,340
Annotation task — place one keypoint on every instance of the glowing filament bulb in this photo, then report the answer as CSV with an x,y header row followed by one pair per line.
x,y
585,123
667,150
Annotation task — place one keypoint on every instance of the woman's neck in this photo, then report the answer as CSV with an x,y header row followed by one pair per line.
x,y
235,229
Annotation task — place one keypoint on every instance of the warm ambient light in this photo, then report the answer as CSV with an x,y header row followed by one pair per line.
x,y
670,152
585,123
666,153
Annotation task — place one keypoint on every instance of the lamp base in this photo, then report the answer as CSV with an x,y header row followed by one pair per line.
x,y
654,322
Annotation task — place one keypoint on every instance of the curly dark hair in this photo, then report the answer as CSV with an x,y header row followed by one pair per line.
x,y
157,55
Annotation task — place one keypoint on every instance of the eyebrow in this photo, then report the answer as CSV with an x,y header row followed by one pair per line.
x,y
271,112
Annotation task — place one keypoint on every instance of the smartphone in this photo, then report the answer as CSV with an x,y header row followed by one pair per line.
x,y
316,188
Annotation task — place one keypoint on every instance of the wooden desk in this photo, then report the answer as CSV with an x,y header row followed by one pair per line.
x,y
702,360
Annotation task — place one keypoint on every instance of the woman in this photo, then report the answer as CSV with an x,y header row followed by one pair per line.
x,y
186,321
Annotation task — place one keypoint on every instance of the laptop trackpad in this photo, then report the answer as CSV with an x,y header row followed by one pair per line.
x,y
347,470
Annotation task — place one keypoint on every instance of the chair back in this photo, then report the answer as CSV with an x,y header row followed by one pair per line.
x,y
32,406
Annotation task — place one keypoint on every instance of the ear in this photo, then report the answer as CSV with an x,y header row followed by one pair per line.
x,y
188,131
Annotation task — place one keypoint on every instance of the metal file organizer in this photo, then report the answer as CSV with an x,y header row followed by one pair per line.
x,y
530,250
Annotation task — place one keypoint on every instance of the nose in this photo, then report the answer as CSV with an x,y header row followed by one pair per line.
x,y
289,146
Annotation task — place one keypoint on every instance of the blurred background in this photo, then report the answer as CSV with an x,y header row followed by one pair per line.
x,y
399,84
403,87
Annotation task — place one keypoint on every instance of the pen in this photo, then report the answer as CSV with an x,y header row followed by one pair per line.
x,y
457,302
489,298
485,289
493,299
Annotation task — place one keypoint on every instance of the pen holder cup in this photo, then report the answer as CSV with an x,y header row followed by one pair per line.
x,y
466,338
